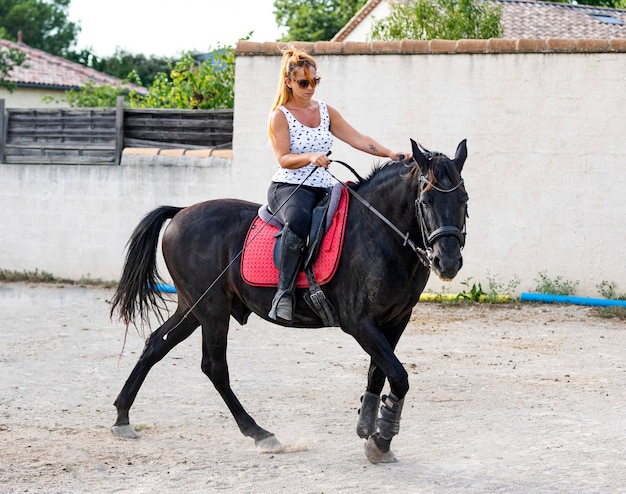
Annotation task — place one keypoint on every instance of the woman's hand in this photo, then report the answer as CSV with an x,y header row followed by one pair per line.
x,y
398,156
320,160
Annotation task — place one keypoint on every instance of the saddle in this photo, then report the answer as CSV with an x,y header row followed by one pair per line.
x,y
322,256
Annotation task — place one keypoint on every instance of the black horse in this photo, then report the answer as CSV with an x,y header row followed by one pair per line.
x,y
379,279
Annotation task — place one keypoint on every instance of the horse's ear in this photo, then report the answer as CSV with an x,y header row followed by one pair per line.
x,y
461,154
421,160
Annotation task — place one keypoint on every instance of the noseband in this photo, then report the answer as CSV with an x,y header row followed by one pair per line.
x,y
429,238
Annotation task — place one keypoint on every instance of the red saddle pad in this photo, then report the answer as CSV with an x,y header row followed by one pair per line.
x,y
257,263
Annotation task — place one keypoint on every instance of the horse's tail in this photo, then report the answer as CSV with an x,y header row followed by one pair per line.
x,y
137,292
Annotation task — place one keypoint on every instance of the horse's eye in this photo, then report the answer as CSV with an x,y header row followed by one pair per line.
x,y
426,199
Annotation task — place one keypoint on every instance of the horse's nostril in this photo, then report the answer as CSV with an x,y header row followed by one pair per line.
x,y
437,263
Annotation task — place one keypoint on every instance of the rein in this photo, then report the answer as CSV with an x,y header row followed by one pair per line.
x,y
422,255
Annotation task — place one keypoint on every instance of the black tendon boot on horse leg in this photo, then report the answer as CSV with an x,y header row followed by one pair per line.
x,y
291,254
377,446
368,413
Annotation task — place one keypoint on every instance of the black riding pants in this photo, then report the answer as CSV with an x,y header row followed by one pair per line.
x,y
298,208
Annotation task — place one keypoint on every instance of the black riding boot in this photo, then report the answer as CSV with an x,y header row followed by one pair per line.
x,y
291,254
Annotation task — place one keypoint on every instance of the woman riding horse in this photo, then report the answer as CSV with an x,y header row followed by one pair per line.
x,y
301,131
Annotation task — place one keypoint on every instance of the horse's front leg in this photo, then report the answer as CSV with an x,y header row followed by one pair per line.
x,y
370,402
379,431
368,413
377,447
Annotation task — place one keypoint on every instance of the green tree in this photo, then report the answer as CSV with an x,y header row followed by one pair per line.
x,y
439,19
190,84
44,24
91,95
123,63
314,20
9,58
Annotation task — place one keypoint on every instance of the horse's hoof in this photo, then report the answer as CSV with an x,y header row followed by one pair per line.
x,y
269,445
376,456
124,432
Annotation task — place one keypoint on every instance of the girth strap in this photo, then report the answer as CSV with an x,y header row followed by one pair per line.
x,y
317,300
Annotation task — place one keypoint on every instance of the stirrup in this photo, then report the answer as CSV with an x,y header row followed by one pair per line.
x,y
282,306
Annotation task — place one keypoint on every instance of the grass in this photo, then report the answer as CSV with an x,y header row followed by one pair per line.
x,y
616,312
554,286
36,276
500,293
496,292
608,289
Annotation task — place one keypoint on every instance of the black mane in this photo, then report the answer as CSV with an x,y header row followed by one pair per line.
x,y
439,167
383,174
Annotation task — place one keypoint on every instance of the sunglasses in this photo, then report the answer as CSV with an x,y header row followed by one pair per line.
x,y
304,83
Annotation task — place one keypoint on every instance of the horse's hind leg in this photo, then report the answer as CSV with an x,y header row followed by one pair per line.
x,y
215,366
156,348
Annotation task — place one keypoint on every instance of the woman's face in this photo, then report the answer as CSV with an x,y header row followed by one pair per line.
x,y
303,82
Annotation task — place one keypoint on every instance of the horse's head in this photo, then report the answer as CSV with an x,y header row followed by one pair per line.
x,y
441,207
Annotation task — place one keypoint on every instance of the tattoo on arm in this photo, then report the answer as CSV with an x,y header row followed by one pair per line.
x,y
373,148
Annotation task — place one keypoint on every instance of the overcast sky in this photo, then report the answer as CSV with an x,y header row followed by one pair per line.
x,y
168,29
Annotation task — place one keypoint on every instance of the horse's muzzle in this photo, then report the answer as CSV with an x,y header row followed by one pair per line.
x,y
446,263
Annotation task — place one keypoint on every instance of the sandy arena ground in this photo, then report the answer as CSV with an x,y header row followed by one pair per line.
x,y
517,398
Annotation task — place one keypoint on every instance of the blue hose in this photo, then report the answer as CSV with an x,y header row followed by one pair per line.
x,y
162,287
524,297
567,299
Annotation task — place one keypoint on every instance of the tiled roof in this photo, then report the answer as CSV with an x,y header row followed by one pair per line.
x,y
41,69
536,19
533,19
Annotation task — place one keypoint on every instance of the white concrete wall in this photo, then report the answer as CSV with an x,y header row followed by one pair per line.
x,y
33,98
546,135
546,170
75,221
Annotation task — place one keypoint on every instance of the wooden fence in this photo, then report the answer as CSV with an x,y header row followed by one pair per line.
x,y
97,136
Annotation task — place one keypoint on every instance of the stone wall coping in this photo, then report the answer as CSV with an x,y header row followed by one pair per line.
x,y
177,152
438,46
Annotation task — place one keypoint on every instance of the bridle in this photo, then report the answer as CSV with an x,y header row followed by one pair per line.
x,y
428,237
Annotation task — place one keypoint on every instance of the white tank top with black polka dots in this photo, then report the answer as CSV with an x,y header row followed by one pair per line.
x,y
303,139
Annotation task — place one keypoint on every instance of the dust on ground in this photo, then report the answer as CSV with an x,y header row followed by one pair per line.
x,y
505,398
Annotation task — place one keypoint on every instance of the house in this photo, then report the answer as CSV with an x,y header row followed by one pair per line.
x,y
43,74
520,19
